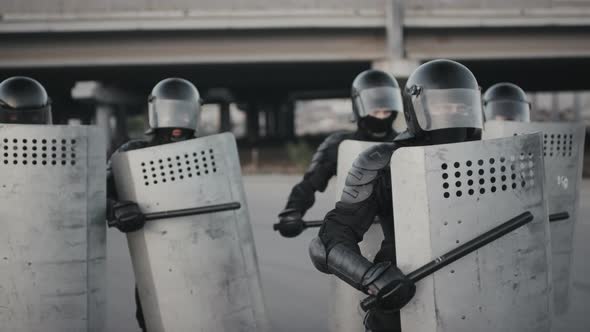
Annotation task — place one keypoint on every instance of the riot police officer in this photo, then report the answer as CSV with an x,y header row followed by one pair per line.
x,y
506,102
23,100
376,101
174,108
441,105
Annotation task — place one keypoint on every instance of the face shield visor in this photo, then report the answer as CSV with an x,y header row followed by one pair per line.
x,y
508,110
40,115
384,98
167,113
448,108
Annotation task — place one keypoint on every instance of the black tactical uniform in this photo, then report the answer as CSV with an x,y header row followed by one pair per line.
x,y
174,109
442,105
372,90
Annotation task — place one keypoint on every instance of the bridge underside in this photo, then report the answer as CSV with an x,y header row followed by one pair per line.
x,y
268,61
265,70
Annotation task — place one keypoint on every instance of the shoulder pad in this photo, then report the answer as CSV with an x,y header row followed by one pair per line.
x,y
356,194
375,158
135,144
359,176
328,150
335,139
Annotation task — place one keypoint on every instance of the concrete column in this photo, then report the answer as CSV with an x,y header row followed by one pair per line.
x,y
102,119
270,123
394,27
555,111
224,117
395,62
288,110
577,106
252,121
119,132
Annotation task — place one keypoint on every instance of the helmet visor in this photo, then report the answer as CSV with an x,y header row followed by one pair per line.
x,y
26,116
508,110
173,114
448,108
384,98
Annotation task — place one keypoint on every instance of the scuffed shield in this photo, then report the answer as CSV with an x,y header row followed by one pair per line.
x,y
446,195
199,272
52,238
345,313
563,151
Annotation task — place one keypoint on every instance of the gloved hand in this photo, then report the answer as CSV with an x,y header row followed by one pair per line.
x,y
290,223
125,215
389,285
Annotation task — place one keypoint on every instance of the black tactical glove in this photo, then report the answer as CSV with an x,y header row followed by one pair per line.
x,y
389,285
125,215
290,223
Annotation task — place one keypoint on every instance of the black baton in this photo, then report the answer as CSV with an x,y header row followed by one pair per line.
x,y
306,224
193,211
559,216
459,252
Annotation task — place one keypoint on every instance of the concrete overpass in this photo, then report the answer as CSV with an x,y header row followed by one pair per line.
x,y
266,53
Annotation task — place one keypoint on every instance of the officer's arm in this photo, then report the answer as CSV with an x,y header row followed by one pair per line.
x,y
317,176
125,215
335,250
111,188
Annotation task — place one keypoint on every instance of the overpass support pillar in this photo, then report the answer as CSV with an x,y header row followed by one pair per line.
x,y
224,117
396,62
286,120
399,68
252,120
102,119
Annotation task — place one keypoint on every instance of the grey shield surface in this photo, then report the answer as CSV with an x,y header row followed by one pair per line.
x,y
193,273
345,313
446,195
52,238
563,152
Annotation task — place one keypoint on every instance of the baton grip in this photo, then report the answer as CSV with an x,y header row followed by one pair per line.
x,y
559,216
306,224
193,211
460,252
369,303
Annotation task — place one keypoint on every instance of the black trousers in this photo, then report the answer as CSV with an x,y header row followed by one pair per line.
x,y
139,312
378,321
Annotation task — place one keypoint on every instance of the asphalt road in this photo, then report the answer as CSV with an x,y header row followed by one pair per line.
x,y
296,294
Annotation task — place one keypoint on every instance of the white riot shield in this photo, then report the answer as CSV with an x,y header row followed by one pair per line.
x,y
345,313
52,238
446,195
199,272
563,152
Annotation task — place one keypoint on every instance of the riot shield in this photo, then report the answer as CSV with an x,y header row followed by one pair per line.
x,y
446,195
563,151
193,272
53,201
345,314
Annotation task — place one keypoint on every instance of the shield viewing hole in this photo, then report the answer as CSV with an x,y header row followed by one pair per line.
x,y
38,151
487,176
557,145
179,167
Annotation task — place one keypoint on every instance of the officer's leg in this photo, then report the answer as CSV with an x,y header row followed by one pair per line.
x,y
139,312
378,321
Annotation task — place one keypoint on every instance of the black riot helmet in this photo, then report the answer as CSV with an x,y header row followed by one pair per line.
x,y
24,100
174,109
507,102
376,100
443,103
